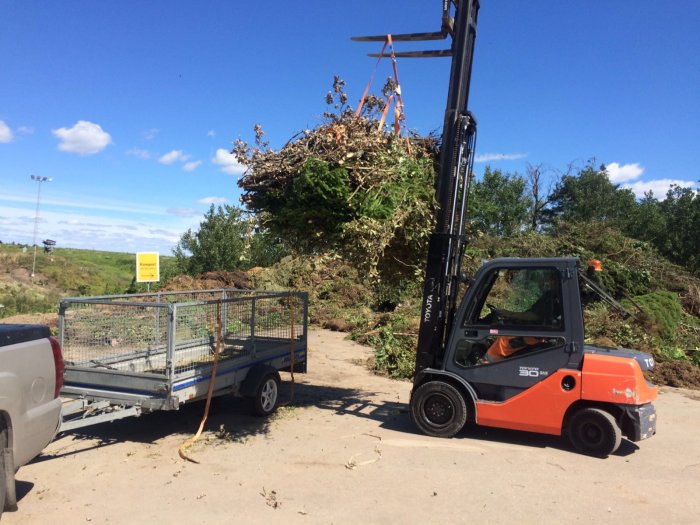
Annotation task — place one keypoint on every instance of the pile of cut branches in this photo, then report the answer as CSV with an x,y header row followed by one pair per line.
x,y
348,186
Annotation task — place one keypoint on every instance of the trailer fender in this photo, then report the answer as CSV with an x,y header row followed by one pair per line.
x,y
250,384
467,391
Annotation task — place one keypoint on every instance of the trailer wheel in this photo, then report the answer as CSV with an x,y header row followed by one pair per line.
x,y
267,394
594,432
438,409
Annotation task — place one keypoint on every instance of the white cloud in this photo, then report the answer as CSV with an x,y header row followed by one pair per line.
x,y
488,157
659,187
81,229
25,130
85,138
150,134
212,200
228,162
175,155
621,173
191,166
86,202
211,133
139,153
183,212
5,133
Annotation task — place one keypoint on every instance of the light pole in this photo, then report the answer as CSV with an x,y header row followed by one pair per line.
x,y
39,180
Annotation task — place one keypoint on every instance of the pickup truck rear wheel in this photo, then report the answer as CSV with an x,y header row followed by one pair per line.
x,y
3,477
267,395
438,409
594,432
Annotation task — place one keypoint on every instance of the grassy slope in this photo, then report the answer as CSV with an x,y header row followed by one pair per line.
x,y
65,272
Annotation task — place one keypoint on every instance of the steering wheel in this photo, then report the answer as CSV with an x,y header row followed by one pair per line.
x,y
496,315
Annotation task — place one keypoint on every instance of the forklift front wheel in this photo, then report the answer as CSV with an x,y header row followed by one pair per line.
x,y
438,409
594,432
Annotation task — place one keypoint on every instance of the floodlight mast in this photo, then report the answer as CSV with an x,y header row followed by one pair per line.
x,y
39,180
448,241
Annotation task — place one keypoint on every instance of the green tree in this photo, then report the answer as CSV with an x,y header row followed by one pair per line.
x,y
590,196
650,222
500,203
681,242
226,240
265,249
671,225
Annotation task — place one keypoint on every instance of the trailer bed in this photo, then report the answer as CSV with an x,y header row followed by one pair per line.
x,y
145,352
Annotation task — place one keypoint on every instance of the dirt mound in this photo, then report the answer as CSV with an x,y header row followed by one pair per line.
x,y
236,279
210,280
48,319
680,374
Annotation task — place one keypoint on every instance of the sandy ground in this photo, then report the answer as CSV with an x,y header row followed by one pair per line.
x,y
346,452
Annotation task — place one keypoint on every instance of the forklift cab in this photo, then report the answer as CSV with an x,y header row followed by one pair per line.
x,y
518,323
515,359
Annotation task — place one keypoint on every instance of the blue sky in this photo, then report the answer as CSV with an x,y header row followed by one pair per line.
x,y
131,107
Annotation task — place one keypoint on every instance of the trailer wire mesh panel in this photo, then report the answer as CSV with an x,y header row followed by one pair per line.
x,y
174,334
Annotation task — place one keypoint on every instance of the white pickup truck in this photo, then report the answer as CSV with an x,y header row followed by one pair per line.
x,y
31,377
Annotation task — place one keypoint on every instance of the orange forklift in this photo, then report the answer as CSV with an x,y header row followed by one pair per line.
x,y
512,355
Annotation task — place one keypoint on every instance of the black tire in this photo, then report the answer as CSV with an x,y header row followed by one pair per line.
x,y
594,432
267,395
438,409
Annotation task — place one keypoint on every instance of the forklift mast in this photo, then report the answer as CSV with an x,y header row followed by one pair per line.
x,y
448,240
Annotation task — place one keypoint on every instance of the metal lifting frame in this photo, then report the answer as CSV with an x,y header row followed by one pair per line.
x,y
448,240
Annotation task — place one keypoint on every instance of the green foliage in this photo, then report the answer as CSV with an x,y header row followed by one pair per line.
x,y
649,223
313,209
388,239
347,188
500,203
264,249
590,196
380,225
21,299
662,310
226,241
681,243
671,225
394,348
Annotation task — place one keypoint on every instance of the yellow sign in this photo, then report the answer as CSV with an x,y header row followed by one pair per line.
x,y
147,267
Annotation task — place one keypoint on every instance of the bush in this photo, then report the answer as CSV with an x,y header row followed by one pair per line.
x,y
662,311
19,299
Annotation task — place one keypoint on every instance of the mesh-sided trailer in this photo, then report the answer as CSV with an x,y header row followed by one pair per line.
x,y
128,354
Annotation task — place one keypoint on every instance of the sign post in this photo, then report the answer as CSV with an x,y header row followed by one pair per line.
x,y
147,268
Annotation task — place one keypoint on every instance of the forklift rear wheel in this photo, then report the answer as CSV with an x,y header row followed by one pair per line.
x,y
594,432
438,409
267,394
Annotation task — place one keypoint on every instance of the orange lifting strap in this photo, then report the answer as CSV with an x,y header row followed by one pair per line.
x,y
396,97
